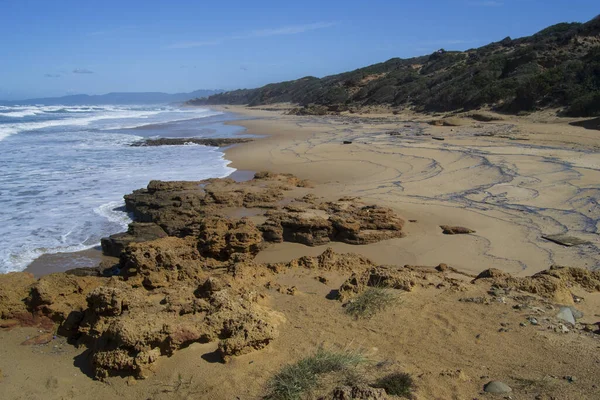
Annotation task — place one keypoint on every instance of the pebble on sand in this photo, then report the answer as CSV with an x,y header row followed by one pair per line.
x,y
496,387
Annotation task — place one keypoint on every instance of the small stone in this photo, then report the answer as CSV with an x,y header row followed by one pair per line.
x,y
565,314
442,267
496,387
533,321
570,379
561,328
523,324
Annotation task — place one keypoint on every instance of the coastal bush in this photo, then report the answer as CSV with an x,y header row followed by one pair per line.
x,y
556,67
370,302
295,380
585,106
397,384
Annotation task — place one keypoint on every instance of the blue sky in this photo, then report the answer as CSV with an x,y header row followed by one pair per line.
x,y
53,48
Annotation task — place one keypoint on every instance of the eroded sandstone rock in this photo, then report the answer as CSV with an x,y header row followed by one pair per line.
x,y
14,289
162,262
127,329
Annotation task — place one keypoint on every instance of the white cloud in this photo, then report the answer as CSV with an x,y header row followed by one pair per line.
x,y
260,33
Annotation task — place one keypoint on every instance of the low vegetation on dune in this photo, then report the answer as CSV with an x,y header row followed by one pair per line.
x,y
298,379
556,67
370,302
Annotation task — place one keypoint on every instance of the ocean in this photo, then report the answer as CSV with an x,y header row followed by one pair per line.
x,y
64,170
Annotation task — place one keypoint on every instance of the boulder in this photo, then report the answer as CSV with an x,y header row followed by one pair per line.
x,y
455,230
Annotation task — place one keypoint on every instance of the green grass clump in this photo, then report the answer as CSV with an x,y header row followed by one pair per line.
x,y
297,379
370,302
397,384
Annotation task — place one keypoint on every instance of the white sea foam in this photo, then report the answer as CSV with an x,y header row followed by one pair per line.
x,y
62,183
114,211
20,113
114,117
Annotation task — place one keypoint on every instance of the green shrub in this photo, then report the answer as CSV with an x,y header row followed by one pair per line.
x,y
585,106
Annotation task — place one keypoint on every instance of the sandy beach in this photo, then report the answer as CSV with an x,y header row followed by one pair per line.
x,y
511,181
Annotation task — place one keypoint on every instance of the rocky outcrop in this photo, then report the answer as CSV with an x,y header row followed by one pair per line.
x,y
127,329
200,209
554,283
180,207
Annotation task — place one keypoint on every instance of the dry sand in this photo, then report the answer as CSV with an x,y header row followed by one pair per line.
x,y
509,191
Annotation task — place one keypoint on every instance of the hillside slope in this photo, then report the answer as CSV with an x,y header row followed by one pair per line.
x,y
556,67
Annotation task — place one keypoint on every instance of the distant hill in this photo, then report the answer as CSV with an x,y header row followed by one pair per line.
x,y
556,67
117,98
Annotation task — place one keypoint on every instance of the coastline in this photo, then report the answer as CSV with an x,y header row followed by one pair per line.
x,y
312,148
451,332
